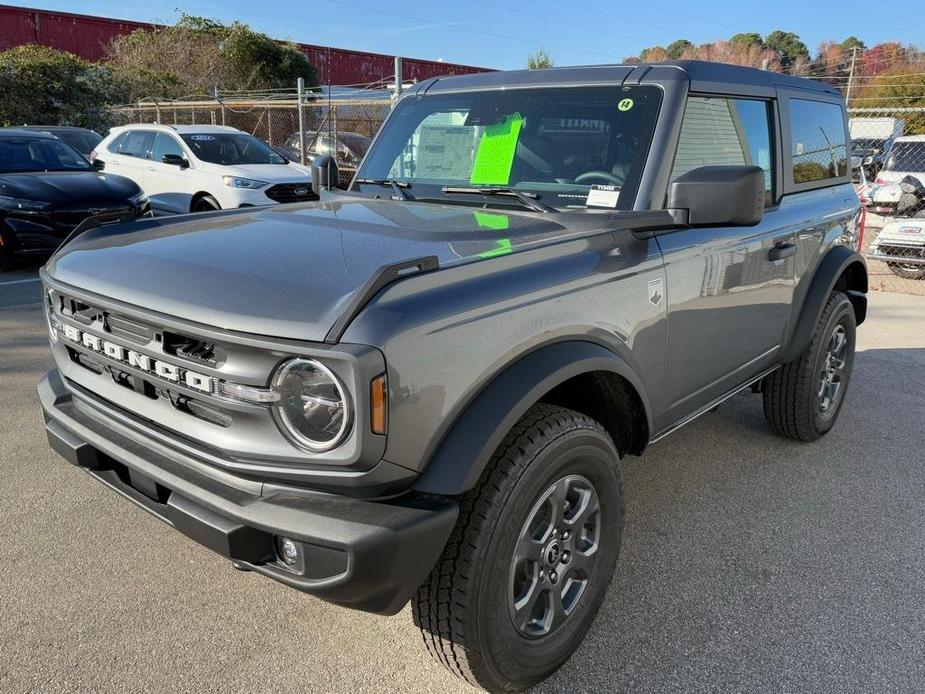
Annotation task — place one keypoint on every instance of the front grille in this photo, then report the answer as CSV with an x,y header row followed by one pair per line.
x,y
286,192
71,218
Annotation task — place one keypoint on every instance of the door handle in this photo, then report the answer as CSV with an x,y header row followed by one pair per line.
x,y
782,250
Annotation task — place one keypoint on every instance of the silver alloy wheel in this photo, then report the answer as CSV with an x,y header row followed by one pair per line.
x,y
555,556
832,374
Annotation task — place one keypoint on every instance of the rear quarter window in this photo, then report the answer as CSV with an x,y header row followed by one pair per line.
x,y
818,143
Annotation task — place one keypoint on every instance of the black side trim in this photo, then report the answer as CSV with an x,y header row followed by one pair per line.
x,y
381,278
836,263
465,451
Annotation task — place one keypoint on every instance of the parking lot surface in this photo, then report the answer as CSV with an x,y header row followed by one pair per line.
x,y
749,563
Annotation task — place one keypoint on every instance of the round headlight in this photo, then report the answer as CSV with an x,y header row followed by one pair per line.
x,y
313,405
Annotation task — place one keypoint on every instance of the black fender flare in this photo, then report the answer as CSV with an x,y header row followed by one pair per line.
x,y
833,266
469,444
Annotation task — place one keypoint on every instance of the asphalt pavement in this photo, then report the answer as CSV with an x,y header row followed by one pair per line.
x,y
750,563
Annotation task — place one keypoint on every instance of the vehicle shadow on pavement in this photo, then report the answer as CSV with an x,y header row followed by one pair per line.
x,y
753,563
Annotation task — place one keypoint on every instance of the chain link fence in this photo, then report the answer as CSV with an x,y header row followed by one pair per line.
x,y
888,156
337,126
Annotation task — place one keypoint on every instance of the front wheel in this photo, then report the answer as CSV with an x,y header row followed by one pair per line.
x,y
206,204
532,554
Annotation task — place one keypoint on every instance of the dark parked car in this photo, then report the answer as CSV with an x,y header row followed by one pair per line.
x,y
422,388
83,140
346,147
47,188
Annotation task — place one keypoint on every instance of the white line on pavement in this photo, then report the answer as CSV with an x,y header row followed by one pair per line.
x,y
31,279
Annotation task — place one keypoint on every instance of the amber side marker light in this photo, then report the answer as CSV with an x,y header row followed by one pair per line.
x,y
379,399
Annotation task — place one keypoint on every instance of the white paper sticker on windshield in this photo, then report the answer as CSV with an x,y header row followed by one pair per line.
x,y
202,138
603,196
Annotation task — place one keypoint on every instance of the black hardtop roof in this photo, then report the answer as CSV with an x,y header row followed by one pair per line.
x,y
702,75
24,132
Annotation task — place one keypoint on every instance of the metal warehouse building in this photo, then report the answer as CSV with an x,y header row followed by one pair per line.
x,y
88,36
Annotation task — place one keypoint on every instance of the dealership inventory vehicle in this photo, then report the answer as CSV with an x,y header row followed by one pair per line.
x,y
47,188
421,388
81,139
198,168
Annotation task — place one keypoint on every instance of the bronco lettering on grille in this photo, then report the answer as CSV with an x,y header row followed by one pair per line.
x,y
142,362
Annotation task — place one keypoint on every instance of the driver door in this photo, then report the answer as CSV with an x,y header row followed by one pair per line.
x,y
729,295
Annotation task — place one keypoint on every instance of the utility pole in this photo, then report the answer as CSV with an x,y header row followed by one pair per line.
x,y
300,90
854,57
397,78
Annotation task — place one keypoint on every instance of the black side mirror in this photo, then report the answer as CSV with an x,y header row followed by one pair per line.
x,y
325,175
99,164
716,196
175,160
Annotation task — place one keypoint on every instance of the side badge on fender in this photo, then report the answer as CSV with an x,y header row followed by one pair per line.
x,y
656,291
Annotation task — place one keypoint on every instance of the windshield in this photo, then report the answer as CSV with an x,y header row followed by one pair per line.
x,y
26,154
906,156
573,147
82,140
230,149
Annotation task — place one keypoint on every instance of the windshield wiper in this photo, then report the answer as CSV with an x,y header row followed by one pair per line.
x,y
526,199
398,186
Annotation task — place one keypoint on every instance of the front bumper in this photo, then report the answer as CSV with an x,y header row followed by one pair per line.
x,y
368,555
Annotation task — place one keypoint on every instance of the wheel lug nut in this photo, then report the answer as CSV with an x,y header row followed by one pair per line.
x,y
566,535
553,576
566,556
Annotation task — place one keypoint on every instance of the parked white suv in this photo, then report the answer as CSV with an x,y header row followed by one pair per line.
x,y
193,168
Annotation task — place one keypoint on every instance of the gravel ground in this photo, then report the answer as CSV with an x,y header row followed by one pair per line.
x,y
750,564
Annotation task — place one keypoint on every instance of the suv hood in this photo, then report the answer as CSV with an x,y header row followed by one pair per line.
x,y
287,271
271,173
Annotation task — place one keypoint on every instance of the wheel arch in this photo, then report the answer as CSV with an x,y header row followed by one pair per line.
x,y
841,269
580,375
199,196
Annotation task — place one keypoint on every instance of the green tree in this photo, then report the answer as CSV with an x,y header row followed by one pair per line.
x,y
539,60
789,47
676,49
197,54
852,42
42,86
747,39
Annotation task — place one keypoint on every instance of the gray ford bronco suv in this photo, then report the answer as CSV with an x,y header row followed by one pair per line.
x,y
421,388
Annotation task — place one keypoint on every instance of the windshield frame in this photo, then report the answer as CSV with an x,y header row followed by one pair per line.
x,y
551,192
189,141
54,141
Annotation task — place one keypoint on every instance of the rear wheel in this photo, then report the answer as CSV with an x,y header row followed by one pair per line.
x,y
532,554
907,270
206,204
802,399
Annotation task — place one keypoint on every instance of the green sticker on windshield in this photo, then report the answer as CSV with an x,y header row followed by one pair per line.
x,y
625,104
502,247
487,220
495,154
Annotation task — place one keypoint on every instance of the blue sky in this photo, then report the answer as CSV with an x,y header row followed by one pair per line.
x,y
500,33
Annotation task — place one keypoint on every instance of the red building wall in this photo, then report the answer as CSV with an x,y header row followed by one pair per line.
x,y
88,36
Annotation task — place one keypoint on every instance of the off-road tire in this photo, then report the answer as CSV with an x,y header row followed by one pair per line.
x,y
791,400
909,272
463,608
206,204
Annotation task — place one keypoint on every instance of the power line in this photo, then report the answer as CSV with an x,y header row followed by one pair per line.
x,y
507,37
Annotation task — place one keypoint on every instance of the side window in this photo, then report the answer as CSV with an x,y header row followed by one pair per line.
x,y
165,144
116,144
722,132
817,141
136,144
